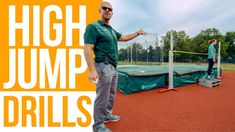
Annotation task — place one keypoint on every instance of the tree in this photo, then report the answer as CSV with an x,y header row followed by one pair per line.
x,y
158,54
230,40
200,42
151,53
181,43
122,54
136,51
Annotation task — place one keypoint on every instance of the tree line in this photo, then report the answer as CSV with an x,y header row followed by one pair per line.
x,y
182,42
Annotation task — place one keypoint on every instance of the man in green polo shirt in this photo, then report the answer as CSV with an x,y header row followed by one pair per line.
x,y
101,39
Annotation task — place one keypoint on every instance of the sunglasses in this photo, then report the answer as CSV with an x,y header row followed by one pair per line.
x,y
105,8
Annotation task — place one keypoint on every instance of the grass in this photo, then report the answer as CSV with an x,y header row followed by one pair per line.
x,y
139,63
228,67
225,66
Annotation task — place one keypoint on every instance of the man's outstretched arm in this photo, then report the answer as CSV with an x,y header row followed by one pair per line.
x,y
132,35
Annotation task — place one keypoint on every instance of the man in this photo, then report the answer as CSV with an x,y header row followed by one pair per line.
x,y
211,57
101,38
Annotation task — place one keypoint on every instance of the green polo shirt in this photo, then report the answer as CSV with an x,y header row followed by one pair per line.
x,y
211,47
104,38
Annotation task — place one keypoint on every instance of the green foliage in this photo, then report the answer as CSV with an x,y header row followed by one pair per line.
x,y
230,40
200,42
182,42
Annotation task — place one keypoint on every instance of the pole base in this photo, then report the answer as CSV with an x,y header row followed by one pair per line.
x,y
166,90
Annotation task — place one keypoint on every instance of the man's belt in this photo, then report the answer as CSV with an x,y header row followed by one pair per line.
x,y
107,61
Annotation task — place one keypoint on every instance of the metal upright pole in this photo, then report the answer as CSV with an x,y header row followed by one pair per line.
x,y
147,51
171,62
170,82
131,53
218,61
127,51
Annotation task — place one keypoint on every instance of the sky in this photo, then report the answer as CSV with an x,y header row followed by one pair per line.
x,y
159,16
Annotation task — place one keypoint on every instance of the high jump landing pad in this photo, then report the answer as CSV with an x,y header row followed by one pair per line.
x,y
136,78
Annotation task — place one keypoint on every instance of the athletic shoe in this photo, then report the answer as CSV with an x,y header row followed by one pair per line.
x,y
112,118
101,128
208,77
